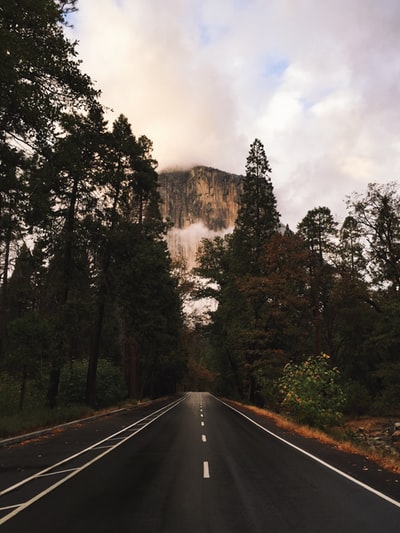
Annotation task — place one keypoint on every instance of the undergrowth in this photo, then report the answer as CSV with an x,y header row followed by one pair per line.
x,y
31,419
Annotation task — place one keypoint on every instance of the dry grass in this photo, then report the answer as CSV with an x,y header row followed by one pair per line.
x,y
389,463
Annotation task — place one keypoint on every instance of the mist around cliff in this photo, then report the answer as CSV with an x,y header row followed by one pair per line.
x,y
185,242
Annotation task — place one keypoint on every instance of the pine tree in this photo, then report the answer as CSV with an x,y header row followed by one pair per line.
x,y
72,179
258,217
243,339
40,75
40,79
377,214
318,228
131,228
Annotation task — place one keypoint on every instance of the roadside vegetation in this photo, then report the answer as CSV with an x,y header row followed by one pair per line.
x,y
90,311
36,414
307,321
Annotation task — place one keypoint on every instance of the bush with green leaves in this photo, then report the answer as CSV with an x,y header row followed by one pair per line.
x,y
311,392
110,385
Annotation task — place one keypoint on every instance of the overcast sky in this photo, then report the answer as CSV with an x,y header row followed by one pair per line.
x,y
317,81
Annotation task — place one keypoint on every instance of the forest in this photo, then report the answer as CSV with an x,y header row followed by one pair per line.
x,y
89,309
91,302
309,317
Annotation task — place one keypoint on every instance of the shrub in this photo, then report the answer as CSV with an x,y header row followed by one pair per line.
x,y
9,394
359,400
387,401
110,385
311,392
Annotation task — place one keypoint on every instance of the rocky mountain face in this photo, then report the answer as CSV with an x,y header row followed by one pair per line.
x,y
201,203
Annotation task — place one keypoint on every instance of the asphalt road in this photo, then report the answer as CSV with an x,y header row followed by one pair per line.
x,y
195,466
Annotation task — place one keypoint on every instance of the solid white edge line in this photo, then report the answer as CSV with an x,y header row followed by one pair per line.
x,y
37,497
89,448
206,470
314,458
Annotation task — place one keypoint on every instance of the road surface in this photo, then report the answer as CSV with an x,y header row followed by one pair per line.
x,y
192,465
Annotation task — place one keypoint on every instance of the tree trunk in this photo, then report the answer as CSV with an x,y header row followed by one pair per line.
x,y
52,391
94,355
23,388
65,289
133,369
3,294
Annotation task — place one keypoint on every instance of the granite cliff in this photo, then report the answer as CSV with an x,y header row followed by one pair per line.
x,y
201,203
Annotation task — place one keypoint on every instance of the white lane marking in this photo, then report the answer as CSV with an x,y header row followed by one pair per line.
x,y
57,472
159,412
9,507
202,415
204,438
206,470
314,458
94,446
202,423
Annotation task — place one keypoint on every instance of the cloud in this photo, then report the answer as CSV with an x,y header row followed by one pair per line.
x,y
317,82
186,241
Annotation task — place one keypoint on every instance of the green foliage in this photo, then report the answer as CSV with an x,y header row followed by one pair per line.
x,y
110,385
34,415
40,74
213,257
318,228
311,392
96,278
15,420
358,398
9,394
377,214
258,217
241,334
388,398
28,336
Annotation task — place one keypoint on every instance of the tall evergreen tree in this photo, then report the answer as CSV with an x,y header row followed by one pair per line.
x,y
318,229
130,210
258,217
378,215
145,298
351,261
40,75
40,78
27,330
72,178
243,338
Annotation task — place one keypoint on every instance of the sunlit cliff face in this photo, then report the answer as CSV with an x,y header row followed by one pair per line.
x,y
201,203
